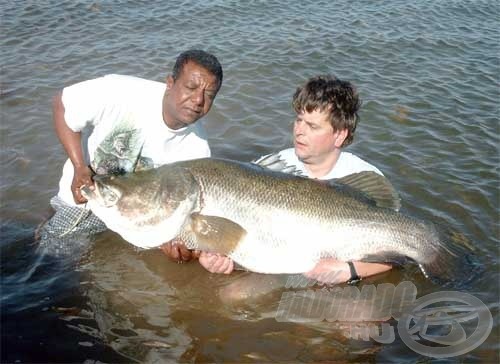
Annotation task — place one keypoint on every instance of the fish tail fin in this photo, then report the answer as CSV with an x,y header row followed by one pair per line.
x,y
452,259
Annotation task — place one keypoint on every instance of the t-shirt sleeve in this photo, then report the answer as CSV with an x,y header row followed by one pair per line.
x,y
83,102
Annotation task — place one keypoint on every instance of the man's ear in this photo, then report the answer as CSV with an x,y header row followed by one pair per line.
x,y
339,137
170,81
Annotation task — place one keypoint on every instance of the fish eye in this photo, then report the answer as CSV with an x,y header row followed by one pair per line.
x,y
110,196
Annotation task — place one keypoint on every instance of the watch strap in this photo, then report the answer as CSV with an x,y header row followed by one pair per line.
x,y
355,278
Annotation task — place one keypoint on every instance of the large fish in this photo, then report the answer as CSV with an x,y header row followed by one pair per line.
x,y
268,221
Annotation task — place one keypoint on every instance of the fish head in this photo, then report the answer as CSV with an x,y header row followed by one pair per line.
x,y
131,191
106,191
148,207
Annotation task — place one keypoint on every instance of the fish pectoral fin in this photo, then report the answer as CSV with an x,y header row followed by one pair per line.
x,y
373,186
215,234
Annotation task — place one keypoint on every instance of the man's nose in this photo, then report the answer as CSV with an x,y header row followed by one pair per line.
x,y
198,97
297,128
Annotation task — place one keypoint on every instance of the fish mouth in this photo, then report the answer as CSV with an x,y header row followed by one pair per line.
x,y
96,191
87,192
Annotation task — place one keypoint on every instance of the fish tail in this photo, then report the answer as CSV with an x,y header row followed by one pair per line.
x,y
451,259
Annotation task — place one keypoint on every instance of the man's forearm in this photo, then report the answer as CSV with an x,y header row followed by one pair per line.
x,y
365,269
70,140
330,270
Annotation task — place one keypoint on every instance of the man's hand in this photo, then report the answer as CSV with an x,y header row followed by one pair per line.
x,y
82,177
216,263
177,251
330,271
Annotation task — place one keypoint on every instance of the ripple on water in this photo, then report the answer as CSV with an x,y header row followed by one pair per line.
x,y
428,76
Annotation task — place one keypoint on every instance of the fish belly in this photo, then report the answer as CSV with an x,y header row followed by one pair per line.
x,y
261,256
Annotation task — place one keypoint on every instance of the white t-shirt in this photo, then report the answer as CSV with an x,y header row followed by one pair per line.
x,y
347,163
100,107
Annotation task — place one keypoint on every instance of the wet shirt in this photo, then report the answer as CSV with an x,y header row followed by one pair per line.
x,y
347,163
120,118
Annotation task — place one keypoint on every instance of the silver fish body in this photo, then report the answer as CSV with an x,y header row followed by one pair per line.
x,y
267,221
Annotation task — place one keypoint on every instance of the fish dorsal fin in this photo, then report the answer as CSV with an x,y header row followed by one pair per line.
x,y
274,162
212,234
374,186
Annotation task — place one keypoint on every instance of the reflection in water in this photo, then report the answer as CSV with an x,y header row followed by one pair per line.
x,y
149,308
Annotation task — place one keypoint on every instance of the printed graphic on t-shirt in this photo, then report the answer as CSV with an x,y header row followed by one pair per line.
x,y
120,151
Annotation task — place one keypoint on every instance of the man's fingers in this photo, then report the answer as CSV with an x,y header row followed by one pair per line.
x,y
215,263
90,185
174,251
185,253
219,264
207,261
77,196
230,266
170,250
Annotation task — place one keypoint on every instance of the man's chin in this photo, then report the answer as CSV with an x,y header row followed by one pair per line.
x,y
301,157
185,122
191,120
299,152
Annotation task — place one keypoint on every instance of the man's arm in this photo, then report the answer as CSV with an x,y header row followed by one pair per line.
x,y
326,271
71,141
335,271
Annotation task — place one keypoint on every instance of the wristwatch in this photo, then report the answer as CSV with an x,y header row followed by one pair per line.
x,y
354,275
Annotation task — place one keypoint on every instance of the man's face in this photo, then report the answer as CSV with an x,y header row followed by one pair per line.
x,y
189,97
314,138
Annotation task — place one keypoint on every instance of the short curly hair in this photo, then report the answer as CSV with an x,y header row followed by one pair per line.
x,y
338,97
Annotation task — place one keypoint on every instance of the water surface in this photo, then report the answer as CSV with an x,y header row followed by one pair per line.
x,y
428,74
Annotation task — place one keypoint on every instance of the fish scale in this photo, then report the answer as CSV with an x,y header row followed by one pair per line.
x,y
269,221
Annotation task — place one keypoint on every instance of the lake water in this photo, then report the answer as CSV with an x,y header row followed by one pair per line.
x,y
428,74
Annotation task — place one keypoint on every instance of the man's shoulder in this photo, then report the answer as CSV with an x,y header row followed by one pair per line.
x,y
118,82
192,142
194,136
349,163
289,156
198,131
286,155
126,79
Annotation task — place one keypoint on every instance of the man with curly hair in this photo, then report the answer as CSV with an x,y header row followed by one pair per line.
x,y
327,116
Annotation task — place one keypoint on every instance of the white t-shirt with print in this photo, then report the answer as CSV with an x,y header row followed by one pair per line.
x,y
347,163
100,106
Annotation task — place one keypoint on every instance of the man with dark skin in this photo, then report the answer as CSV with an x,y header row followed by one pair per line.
x,y
162,117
